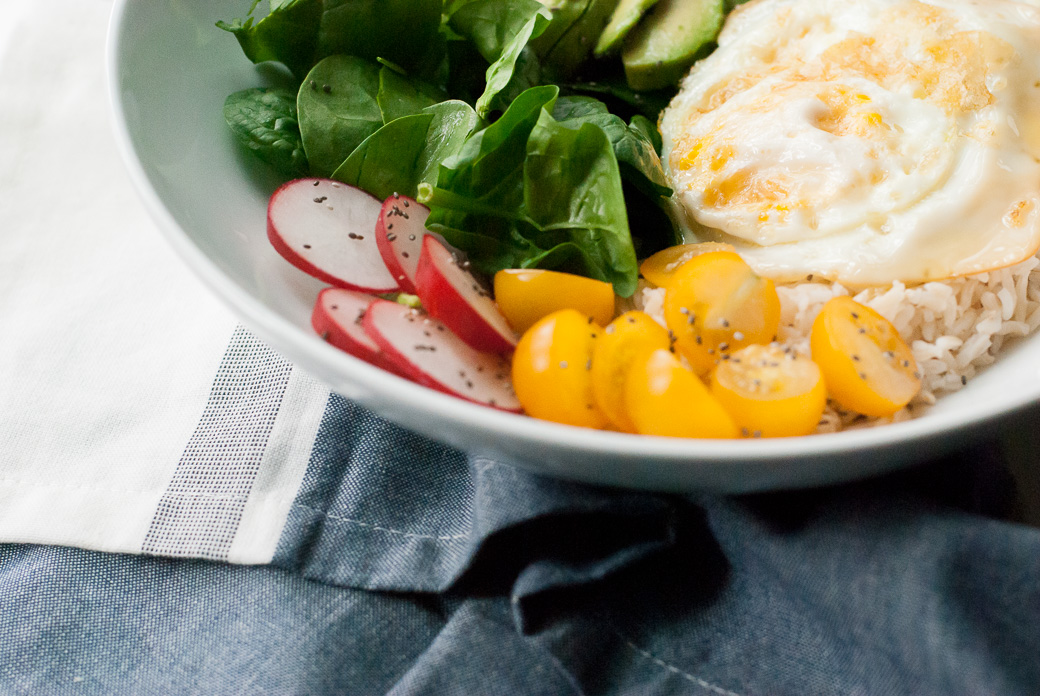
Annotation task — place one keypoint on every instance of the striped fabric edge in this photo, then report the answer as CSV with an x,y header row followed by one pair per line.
x,y
244,461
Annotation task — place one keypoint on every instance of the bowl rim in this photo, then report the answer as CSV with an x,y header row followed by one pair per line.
x,y
281,333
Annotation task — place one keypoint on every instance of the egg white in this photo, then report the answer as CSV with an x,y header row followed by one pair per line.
x,y
865,141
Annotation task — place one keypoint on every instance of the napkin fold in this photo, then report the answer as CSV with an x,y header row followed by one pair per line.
x,y
896,586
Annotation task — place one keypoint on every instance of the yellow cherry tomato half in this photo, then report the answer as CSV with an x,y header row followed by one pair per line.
x,y
660,267
624,339
715,304
664,398
526,295
552,369
770,391
868,368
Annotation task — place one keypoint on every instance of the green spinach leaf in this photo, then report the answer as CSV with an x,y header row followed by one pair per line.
x,y
529,191
632,144
299,33
400,95
500,30
288,35
408,151
573,194
339,107
265,121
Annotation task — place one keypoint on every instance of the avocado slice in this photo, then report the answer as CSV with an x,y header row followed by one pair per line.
x,y
664,45
568,40
626,15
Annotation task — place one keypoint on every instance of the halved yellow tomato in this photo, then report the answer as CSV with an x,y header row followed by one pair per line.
x,y
623,340
867,366
663,397
770,391
552,369
659,268
526,295
715,304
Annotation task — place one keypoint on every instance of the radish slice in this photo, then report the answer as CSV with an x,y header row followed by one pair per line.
x,y
422,346
337,318
325,228
452,294
399,235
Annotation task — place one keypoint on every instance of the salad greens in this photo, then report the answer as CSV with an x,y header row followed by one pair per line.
x,y
265,121
449,101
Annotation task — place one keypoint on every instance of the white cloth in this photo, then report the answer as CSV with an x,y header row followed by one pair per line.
x,y
109,348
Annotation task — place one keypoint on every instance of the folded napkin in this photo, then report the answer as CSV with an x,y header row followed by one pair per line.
x,y
182,510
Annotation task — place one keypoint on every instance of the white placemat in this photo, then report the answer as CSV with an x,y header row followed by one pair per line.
x,y
135,415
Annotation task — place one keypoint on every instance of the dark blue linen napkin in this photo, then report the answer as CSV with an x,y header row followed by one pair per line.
x,y
407,567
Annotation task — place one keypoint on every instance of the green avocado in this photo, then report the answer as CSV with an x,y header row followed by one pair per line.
x,y
568,40
663,46
625,17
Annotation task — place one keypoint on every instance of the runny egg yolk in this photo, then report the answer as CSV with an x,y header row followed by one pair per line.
x,y
865,141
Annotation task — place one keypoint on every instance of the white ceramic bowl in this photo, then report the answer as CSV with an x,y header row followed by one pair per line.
x,y
170,69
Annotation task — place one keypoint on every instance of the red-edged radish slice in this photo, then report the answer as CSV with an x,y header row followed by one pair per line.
x,y
325,228
451,293
424,347
337,318
399,235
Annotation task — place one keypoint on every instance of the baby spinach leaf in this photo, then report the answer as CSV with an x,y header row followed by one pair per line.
x,y
288,35
339,108
407,151
567,44
406,32
486,176
500,30
299,33
264,120
633,148
529,191
573,192
399,95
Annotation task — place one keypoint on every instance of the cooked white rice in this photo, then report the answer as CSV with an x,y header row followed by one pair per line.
x,y
953,327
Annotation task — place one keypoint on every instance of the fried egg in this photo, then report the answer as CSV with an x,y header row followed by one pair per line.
x,y
864,141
